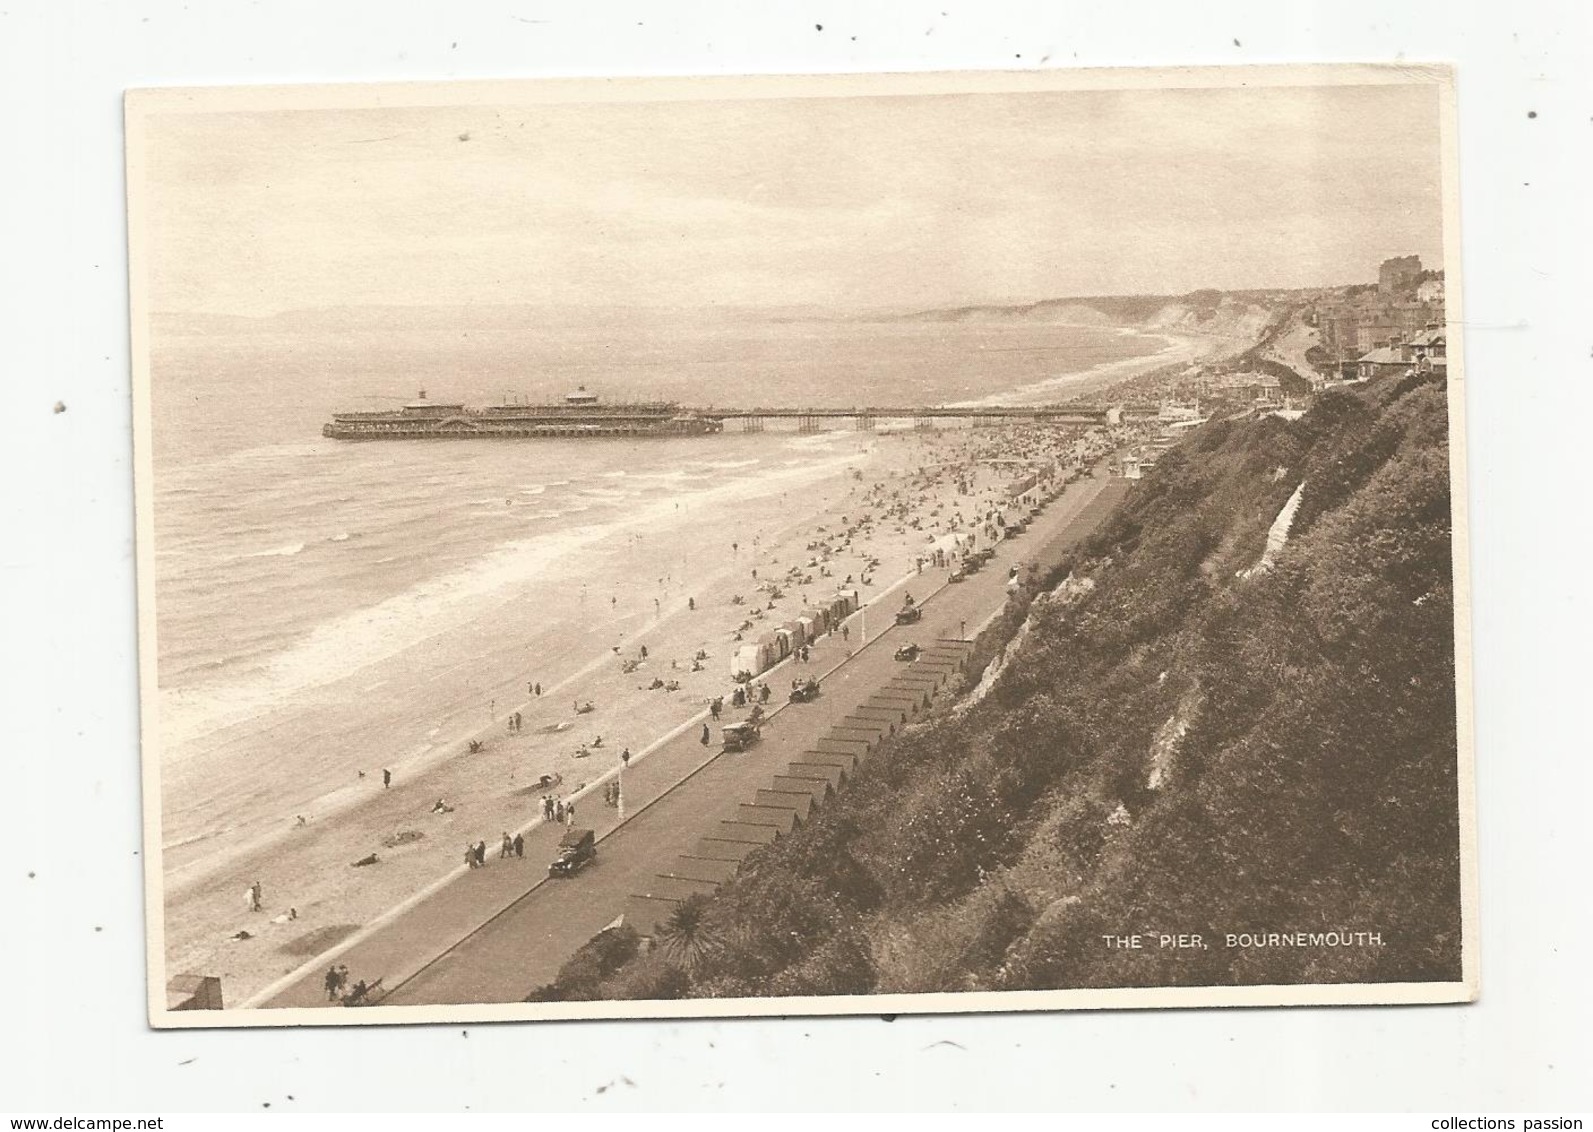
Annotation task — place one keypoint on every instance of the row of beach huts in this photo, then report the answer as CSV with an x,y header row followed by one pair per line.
x,y
799,782
757,657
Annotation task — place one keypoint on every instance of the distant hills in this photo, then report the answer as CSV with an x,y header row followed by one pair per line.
x,y
1206,311
1112,310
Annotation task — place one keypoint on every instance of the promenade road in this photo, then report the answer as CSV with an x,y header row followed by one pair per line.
x,y
493,934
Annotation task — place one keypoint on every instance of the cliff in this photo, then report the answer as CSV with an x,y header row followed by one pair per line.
x,y
1237,315
1177,744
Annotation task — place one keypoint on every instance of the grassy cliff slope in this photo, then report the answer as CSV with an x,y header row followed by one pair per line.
x,y
1180,743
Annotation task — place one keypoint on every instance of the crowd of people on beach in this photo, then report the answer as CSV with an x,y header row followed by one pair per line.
x,y
919,516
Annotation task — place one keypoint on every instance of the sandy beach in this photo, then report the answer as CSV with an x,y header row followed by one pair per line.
x,y
878,501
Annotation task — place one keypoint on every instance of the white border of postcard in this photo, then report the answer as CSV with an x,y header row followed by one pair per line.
x,y
141,104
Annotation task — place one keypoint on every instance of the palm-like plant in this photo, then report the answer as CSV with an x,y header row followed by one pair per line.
x,y
687,936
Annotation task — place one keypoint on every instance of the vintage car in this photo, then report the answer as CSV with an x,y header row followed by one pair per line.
x,y
909,614
576,850
804,691
908,652
958,575
741,736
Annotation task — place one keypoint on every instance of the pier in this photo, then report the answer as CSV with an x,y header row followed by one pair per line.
x,y
582,415
863,418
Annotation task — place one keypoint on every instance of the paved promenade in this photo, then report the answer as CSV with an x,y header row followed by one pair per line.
x,y
492,934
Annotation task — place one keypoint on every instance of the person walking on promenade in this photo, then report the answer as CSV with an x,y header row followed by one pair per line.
x,y
707,736
519,845
481,854
846,632
558,810
517,721
470,855
256,898
625,757
334,983
507,847
569,815
539,689
387,778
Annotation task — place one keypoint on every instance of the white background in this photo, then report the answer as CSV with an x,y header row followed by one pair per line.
x,y
71,920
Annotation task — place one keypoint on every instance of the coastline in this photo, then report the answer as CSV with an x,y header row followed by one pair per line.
x,y
310,868
1180,348
466,680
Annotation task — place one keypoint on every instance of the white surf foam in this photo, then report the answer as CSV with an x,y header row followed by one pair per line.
x,y
360,638
290,549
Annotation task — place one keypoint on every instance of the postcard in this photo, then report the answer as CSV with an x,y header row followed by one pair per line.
x,y
802,545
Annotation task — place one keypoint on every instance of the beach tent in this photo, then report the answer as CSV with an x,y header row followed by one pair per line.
x,y
746,659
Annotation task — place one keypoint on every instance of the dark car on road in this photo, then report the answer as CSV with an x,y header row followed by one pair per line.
x,y
577,849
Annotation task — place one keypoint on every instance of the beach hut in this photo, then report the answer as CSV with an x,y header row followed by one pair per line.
x,y
784,641
746,659
769,652
798,633
810,627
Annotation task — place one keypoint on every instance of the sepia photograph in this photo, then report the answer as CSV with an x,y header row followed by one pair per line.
x,y
888,544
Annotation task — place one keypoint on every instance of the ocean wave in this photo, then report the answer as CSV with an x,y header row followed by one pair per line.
x,y
674,477
727,465
288,550
356,639
353,641
341,536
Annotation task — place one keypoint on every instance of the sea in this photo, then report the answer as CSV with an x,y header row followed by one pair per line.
x,y
286,562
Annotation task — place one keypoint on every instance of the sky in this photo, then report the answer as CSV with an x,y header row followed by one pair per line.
x,y
845,203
